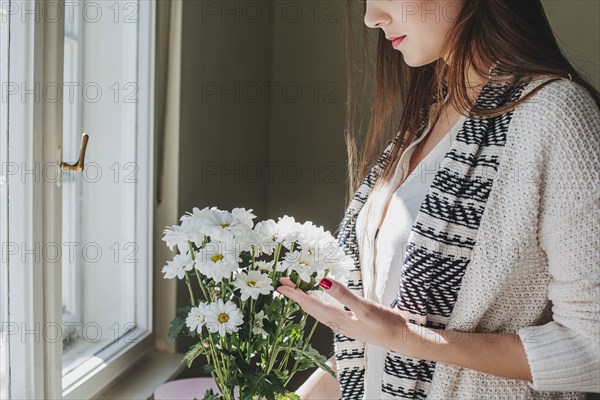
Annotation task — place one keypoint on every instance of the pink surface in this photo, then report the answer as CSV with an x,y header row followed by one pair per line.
x,y
185,389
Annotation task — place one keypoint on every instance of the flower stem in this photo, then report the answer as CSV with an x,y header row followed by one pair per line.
x,y
221,369
289,346
248,350
306,342
204,292
216,370
275,352
275,259
282,320
189,285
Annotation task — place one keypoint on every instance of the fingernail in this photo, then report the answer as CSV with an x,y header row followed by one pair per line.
x,y
325,283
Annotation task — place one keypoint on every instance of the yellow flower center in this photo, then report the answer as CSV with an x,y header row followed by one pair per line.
x,y
223,318
217,257
252,283
303,263
225,225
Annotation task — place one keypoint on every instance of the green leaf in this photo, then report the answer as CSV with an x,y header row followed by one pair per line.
x,y
207,368
226,352
210,395
194,352
178,323
246,256
282,375
176,326
314,356
255,383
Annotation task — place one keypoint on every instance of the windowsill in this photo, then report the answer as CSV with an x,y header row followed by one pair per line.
x,y
145,376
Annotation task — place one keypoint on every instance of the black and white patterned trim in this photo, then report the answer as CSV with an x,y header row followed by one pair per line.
x,y
439,245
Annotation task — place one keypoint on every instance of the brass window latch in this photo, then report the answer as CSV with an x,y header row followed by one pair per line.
x,y
78,166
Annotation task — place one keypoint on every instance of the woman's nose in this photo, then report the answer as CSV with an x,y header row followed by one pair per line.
x,y
374,16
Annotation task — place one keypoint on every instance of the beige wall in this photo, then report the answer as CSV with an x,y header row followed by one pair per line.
x,y
219,132
576,24
306,134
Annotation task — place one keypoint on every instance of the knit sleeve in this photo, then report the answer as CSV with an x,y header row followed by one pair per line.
x,y
564,354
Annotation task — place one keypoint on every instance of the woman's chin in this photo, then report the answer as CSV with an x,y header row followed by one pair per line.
x,y
414,63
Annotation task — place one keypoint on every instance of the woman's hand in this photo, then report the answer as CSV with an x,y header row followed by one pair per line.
x,y
367,321
503,355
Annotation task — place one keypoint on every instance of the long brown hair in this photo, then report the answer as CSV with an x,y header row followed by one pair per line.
x,y
514,33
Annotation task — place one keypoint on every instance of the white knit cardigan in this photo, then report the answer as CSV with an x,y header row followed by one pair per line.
x,y
535,270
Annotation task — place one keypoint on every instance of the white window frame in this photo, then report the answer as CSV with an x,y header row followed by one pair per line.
x,y
94,375
25,281
70,291
3,208
35,307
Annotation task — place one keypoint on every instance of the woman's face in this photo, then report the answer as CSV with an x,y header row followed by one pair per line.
x,y
424,22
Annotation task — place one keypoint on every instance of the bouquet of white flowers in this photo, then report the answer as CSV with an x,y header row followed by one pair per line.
x,y
246,330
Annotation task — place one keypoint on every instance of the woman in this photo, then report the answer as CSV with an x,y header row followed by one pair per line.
x,y
475,234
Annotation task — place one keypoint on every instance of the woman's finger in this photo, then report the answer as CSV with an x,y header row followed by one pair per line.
x,y
342,294
287,282
331,316
309,304
295,294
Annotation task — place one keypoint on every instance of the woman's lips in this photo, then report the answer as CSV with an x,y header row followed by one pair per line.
x,y
396,40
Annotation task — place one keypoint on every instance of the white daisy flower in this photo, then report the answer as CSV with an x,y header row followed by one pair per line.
x,y
217,260
196,317
258,326
264,265
341,265
197,218
303,262
268,229
223,317
288,230
311,235
267,266
329,255
243,216
249,239
178,266
252,284
196,214
179,235
226,226
267,233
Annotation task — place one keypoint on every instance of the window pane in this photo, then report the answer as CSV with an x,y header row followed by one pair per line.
x,y
3,205
102,268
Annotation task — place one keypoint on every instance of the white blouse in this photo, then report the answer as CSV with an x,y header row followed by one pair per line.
x,y
381,264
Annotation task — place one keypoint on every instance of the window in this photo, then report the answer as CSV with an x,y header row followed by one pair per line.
x,y
3,209
107,208
79,269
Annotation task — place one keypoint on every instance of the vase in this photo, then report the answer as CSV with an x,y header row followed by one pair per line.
x,y
187,389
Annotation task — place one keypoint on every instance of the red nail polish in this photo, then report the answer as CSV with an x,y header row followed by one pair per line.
x,y
325,283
